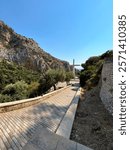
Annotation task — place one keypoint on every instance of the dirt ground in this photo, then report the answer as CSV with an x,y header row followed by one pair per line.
x,y
93,125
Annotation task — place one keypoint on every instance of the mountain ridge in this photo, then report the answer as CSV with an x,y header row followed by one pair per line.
x,y
25,51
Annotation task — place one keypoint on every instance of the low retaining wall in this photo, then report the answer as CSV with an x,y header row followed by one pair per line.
x,y
10,106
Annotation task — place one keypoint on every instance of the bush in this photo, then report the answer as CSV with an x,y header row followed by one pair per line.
x,y
107,54
60,75
33,89
17,91
43,86
91,61
69,76
5,98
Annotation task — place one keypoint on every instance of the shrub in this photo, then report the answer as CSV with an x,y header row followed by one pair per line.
x,y
69,76
107,54
17,90
91,61
43,86
5,98
60,75
33,89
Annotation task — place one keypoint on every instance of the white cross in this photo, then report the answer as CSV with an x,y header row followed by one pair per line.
x,y
74,66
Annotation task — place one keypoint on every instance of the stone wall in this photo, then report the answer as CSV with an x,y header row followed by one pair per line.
x,y
14,105
106,92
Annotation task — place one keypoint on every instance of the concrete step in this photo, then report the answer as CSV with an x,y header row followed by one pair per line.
x,y
47,140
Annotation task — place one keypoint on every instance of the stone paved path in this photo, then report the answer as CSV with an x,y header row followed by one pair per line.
x,y
19,126
51,141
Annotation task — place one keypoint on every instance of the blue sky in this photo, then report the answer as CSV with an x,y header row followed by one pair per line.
x,y
66,29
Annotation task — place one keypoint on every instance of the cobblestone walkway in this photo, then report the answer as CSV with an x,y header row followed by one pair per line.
x,y
17,127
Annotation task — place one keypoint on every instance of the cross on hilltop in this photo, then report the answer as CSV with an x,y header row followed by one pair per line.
x,y
74,66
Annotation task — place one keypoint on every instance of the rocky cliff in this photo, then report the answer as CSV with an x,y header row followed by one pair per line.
x,y
25,51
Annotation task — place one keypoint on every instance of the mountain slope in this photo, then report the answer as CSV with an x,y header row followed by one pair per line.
x,y
25,51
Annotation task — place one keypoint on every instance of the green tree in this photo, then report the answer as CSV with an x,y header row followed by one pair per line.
x,y
50,79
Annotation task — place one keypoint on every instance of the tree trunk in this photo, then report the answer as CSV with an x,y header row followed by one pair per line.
x,y
54,87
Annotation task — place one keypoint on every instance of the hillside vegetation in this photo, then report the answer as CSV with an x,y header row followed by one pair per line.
x,y
90,75
17,82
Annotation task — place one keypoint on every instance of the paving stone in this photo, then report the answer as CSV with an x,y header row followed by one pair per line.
x,y
43,139
2,145
46,140
82,147
31,146
65,144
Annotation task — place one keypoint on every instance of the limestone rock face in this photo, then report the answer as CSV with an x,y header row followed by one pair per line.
x,y
26,52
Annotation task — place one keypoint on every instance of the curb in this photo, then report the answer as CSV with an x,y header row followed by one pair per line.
x,y
67,122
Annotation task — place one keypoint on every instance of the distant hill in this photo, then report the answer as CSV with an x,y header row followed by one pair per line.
x,y
26,52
